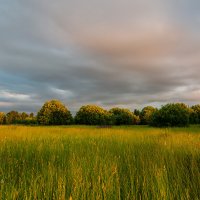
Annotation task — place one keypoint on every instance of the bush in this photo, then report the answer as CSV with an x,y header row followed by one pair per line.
x,y
28,121
2,118
146,114
93,115
54,113
171,115
123,116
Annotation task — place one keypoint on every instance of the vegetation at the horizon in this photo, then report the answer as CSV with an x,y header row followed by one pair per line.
x,y
133,162
54,112
171,115
93,115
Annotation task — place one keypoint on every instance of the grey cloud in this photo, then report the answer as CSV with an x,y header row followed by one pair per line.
x,y
125,53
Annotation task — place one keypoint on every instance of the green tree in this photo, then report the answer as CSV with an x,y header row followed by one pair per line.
x,y
146,113
193,117
136,119
24,116
123,116
136,112
2,118
13,117
176,114
53,112
93,115
195,114
31,115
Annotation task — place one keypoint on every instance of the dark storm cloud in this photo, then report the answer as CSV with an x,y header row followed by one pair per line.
x,y
112,53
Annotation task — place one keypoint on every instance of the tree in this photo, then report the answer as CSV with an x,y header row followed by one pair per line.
x,y
31,115
2,118
26,119
24,116
146,113
195,114
12,117
176,114
123,116
93,115
53,112
194,119
136,119
136,112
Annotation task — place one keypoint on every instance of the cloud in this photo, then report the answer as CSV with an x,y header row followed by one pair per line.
x,y
111,53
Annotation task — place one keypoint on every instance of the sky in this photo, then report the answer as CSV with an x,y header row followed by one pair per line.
x,y
125,53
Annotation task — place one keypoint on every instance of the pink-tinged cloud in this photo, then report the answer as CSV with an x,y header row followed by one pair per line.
x,y
111,52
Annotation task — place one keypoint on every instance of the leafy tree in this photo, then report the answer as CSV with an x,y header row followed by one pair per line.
x,y
136,112
136,119
123,116
195,114
12,117
31,115
146,113
176,114
24,116
53,112
2,118
93,115
194,119
27,119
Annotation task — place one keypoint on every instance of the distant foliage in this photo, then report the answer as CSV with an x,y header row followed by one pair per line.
x,y
171,115
2,118
193,117
24,116
27,119
136,119
13,117
123,116
136,112
54,113
146,114
195,114
93,115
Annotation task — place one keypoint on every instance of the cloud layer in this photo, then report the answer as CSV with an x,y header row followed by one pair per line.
x,y
111,53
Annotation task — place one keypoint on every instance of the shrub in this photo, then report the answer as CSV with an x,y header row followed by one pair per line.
x,y
146,114
171,115
53,112
123,116
93,115
2,118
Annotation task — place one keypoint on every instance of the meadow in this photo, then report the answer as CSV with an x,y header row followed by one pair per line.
x,y
82,162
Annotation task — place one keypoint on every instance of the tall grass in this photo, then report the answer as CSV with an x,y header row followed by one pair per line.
x,y
93,163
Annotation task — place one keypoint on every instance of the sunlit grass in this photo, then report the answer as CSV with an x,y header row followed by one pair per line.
x,y
79,162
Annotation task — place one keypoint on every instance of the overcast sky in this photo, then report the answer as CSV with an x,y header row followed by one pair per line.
x,y
127,53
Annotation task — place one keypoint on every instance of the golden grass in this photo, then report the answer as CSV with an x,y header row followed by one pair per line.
x,y
80,162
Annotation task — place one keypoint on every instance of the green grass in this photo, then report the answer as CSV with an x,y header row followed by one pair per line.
x,y
80,162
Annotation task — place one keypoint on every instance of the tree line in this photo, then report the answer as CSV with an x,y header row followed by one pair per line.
x,y
54,112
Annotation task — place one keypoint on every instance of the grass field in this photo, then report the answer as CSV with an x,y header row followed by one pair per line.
x,y
135,162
